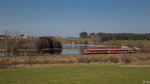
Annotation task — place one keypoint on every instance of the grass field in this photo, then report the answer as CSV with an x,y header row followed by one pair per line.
x,y
122,42
126,42
76,74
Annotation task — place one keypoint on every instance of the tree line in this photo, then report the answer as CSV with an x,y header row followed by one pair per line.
x,y
115,36
11,43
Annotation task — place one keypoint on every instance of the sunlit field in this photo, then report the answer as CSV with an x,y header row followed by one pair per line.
x,y
76,74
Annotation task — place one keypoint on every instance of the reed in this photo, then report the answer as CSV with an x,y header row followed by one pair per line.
x,y
136,58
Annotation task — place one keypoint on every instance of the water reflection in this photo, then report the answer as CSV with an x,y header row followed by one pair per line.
x,y
50,51
72,51
22,53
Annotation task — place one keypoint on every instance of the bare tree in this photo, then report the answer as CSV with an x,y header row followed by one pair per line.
x,y
6,34
11,44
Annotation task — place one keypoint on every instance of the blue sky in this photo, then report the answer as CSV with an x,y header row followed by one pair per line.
x,y
70,17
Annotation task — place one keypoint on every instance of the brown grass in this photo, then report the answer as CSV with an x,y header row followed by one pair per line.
x,y
136,58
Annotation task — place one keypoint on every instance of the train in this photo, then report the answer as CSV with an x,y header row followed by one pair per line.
x,y
108,51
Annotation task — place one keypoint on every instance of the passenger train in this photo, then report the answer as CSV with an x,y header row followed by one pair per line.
x,y
107,51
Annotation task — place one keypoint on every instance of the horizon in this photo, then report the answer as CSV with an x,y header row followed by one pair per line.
x,y
71,17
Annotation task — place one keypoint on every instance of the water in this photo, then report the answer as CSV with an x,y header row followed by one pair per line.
x,y
67,50
70,51
18,54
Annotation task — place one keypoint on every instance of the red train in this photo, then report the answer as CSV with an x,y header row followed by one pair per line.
x,y
107,51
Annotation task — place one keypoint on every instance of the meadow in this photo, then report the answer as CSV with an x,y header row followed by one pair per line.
x,y
76,74
133,42
122,42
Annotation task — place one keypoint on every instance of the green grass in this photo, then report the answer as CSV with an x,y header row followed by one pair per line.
x,y
133,42
122,42
76,74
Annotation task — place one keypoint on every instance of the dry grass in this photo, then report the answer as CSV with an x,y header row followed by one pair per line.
x,y
136,58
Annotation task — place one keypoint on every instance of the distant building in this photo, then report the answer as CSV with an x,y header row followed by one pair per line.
x,y
24,36
2,36
57,37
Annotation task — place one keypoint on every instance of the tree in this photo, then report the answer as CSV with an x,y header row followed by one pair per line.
x,y
83,35
11,44
47,43
91,35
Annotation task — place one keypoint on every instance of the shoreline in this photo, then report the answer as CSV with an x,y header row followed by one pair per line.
x,y
22,50
84,45
97,46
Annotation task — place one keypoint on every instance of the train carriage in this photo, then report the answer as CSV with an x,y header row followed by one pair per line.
x,y
107,51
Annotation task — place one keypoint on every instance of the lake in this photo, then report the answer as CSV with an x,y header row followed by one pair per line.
x,y
66,50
